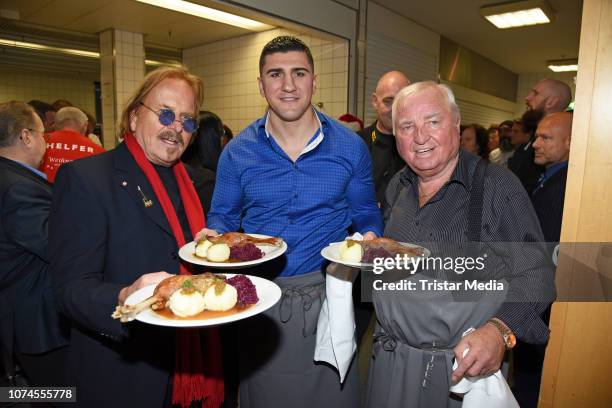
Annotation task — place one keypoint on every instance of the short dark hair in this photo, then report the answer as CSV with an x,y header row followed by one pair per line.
x,y
14,117
41,108
482,139
529,121
284,43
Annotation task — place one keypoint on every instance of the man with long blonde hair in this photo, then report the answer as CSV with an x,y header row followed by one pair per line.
x,y
118,220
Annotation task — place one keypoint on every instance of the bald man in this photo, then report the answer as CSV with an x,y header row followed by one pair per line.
x,y
552,147
549,96
386,161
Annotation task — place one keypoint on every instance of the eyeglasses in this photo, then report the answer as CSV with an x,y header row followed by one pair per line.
x,y
167,117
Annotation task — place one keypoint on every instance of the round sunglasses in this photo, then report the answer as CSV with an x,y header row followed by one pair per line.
x,y
167,117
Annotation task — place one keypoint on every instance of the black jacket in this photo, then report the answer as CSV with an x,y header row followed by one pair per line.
x,y
522,165
386,160
29,319
548,204
103,238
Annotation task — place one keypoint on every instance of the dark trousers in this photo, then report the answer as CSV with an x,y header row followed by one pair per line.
x,y
527,371
45,369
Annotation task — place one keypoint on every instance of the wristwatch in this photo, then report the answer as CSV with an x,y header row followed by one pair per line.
x,y
507,335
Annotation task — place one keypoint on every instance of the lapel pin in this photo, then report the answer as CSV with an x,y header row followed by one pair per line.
x,y
147,202
124,183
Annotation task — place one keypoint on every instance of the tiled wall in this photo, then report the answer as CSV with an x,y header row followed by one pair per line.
x,y
122,69
229,69
526,82
129,65
47,87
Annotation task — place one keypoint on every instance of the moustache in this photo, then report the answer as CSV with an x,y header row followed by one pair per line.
x,y
172,135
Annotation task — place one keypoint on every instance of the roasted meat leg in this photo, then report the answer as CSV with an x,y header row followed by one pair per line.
x,y
388,245
237,238
162,293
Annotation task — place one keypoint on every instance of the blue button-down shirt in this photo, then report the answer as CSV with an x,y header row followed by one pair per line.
x,y
548,173
33,170
309,203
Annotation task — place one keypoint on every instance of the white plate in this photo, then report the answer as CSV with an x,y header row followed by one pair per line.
x,y
187,252
268,293
332,253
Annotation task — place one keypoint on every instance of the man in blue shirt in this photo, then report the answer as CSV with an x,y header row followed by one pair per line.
x,y
297,174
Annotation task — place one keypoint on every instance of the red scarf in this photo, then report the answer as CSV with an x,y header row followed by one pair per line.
x,y
195,378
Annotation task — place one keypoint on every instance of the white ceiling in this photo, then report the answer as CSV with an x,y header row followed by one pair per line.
x,y
520,50
161,27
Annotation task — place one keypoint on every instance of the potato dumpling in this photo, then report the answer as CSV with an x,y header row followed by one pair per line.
x,y
218,253
350,252
201,248
186,303
220,299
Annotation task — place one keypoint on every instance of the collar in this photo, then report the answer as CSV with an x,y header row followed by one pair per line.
x,y
462,174
32,169
551,170
316,139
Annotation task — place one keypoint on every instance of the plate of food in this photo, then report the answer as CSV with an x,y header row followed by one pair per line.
x,y
199,300
233,250
361,254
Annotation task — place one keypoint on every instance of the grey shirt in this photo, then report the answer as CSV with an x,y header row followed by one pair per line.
x,y
507,217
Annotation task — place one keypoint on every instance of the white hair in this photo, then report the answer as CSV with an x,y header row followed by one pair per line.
x,y
70,114
418,87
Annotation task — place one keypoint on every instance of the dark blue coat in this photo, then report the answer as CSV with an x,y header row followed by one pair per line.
x,y
29,319
103,238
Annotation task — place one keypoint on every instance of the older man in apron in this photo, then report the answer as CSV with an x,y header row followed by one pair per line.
x,y
449,199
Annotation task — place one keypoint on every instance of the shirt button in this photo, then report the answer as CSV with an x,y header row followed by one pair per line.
x,y
173,255
295,195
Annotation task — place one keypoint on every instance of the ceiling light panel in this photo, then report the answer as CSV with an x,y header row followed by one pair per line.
x,y
208,13
518,14
70,51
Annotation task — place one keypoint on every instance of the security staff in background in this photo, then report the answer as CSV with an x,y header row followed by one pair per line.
x,y
386,161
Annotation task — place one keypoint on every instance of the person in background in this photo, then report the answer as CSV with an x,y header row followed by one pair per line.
x,y
203,155
552,149
91,125
447,196
505,150
521,163
549,96
228,135
69,142
61,103
493,140
300,175
46,113
474,139
30,325
351,121
117,222
379,135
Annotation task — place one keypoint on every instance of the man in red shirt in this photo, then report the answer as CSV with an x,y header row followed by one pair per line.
x,y
68,142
